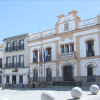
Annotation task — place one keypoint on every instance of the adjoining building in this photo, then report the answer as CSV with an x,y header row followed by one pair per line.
x,y
71,49
1,64
15,59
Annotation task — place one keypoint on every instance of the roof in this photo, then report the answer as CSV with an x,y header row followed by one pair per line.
x,y
16,36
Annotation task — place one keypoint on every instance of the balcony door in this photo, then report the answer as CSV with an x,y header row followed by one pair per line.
x,y
67,73
8,46
0,62
21,44
35,56
8,62
48,54
14,45
90,48
91,77
14,62
21,61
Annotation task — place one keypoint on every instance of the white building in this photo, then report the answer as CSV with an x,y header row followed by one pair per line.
x,y
1,64
15,59
72,49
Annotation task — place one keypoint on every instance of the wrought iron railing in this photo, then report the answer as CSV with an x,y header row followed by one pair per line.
x,y
89,54
48,78
48,58
35,60
14,48
91,78
35,79
15,65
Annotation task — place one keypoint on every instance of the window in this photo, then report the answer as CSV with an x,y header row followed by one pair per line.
x,y
90,48
21,44
0,62
66,26
0,79
8,62
62,48
48,54
35,56
21,60
14,61
71,47
14,45
7,79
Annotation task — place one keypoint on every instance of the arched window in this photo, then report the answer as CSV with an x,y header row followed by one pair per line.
x,y
48,54
35,56
90,48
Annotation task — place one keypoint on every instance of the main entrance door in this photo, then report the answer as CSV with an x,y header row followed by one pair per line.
x,y
67,73
14,79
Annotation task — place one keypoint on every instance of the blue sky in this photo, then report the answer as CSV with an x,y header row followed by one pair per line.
x,y
19,17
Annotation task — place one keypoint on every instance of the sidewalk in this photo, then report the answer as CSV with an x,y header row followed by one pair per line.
x,y
62,93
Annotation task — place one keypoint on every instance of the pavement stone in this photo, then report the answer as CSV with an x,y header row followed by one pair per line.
x,y
62,93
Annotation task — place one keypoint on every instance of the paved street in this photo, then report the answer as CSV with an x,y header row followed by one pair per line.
x,y
62,93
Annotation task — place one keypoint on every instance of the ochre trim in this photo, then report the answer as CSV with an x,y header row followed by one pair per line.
x,y
99,42
78,56
48,47
90,63
35,50
88,39
49,67
66,34
92,57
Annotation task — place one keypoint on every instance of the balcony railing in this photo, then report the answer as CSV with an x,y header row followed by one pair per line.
x,y
34,60
15,65
89,54
14,48
48,58
67,55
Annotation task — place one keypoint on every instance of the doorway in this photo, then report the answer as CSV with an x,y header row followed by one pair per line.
x,y
14,79
67,73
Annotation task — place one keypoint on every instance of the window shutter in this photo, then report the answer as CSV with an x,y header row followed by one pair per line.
x,y
66,27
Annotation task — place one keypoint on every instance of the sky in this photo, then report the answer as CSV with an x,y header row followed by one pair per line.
x,y
21,16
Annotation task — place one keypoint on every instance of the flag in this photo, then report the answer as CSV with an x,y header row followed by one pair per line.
x,y
40,55
44,56
37,57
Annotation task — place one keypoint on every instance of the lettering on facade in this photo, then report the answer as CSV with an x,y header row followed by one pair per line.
x,y
67,55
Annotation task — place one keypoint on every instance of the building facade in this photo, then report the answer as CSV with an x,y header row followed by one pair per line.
x,y
71,49
15,59
1,64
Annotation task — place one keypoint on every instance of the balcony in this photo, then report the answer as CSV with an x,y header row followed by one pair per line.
x,y
14,48
48,58
35,60
15,65
89,54
69,55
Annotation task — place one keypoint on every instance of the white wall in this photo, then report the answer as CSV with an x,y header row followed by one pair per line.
x,y
84,62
